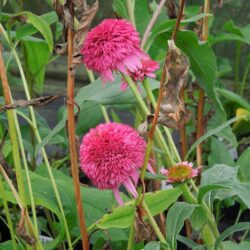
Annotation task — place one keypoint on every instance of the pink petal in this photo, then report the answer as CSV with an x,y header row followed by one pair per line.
x,y
150,169
118,196
130,187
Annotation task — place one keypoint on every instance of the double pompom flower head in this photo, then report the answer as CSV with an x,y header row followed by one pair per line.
x,y
114,45
112,154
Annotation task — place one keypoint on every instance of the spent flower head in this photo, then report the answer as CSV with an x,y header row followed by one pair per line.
x,y
180,172
110,156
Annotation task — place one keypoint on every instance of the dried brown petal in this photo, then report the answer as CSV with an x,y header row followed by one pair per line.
x,y
172,106
87,14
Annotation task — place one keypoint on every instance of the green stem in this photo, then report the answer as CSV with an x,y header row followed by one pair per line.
x,y
26,168
144,108
131,234
105,113
171,143
7,214
207,235
153,223
237,220
245,235
244,79
90,75
130,8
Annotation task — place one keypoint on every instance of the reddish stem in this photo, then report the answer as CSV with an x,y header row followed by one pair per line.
x,y
72,143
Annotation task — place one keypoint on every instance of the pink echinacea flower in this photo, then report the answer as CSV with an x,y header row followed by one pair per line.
x,y
180,172
113,45
139,74
110,156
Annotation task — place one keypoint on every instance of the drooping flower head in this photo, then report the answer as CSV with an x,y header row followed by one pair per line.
x,y
180,172
110,155
113,45
146,70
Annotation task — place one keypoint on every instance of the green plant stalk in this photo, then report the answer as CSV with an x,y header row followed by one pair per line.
x,y
12,129
7,214
153,223
236,221
30,86
26,169
145,110
208,236
105,113
130,8
131,233
145,164
244,79
45,157
237,65
171,143
206,233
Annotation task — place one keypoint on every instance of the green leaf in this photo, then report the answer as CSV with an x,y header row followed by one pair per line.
x,y
6,148
224,66
219,153
46,139
90,115
234,33
41,25
190,243
234,98
122,217
227,176
110,94
244,166
235,228
153,245
167,26
7,245
28,29
119,8
198,218
95,202
210,133
243,245
42,198
177,214
207,188
37,56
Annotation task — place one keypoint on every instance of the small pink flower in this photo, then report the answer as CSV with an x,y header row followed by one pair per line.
x,y
180,172
110,155
113,45
139,74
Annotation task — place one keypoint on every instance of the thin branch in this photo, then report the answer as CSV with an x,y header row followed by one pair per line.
x,y
72,141
182,4
200,128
